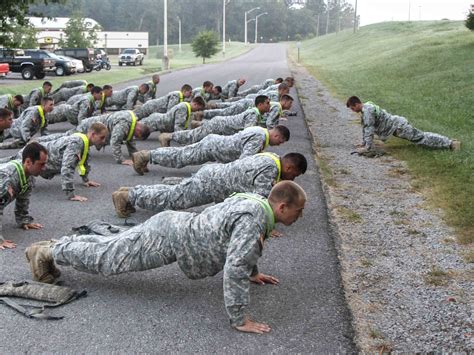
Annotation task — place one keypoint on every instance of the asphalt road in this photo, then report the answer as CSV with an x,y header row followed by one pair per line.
x,y
161,310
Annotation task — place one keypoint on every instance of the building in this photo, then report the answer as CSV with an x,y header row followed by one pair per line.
x,y
51,31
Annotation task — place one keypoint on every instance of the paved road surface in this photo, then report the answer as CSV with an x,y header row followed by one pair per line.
x,y
161,310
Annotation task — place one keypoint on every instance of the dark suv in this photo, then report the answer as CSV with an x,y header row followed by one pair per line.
x,y
85,54
28,66
63,67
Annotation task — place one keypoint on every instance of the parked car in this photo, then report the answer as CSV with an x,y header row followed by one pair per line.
x,y
28,66
85,54
4,69
131,56
63,67
77,62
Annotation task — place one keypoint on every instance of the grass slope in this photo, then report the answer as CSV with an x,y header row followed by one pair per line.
x,y
423,71
152,64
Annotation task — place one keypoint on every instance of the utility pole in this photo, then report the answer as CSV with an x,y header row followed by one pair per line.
x,y
256,25
327,19
179,33
409,9
355,17
245,28
317,27
166,60
223,27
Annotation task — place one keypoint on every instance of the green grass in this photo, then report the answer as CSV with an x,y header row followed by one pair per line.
x,y
152,64
423,71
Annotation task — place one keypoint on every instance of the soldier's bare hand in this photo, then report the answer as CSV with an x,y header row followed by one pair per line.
x,y
253,327
127,162
27,226
262,279
276,234
78,198
91,184
7,244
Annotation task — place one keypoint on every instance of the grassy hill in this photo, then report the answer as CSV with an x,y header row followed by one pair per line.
x,y
425,72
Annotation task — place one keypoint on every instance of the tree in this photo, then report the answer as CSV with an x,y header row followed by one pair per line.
x,y
470,21
205,45
12,14
79,33
24,36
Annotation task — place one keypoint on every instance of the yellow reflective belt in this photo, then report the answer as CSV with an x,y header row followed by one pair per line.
x,y
102,101
280,109
267,138
80,165
21,175
132,127
266,206
181,97
260,118
376,108
85,89
41,113
10,101
91,100
42,91
277,161
188,118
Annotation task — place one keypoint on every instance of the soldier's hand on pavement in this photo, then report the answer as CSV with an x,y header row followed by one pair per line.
x,y
253,327
78,198
7,244
27,226
91,184
262,279
127,162
276,234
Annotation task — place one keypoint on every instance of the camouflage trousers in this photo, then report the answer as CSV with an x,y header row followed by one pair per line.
x,y
215,126
157,122
228,111
211,148
61,113
146,246
427,139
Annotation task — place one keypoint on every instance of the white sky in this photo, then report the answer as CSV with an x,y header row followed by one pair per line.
x,y
373,11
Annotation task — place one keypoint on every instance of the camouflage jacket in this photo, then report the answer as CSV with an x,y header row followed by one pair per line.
x,y
28,124
272,117
6,101
124,99
230,89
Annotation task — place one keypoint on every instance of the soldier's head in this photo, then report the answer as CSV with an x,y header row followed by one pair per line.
x,y
283,89
198,104
144,88
286,101
48,104
18,100
107,90
96,92
207,86
6,118
262,102
354,104
287,200
241,82
290,81
97,134
155,79
279,135
293,165
34,158
187,90
217,91
142,131
89,87
278,80
47,86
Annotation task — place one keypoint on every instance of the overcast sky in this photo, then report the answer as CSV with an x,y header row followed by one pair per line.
x,y
373,11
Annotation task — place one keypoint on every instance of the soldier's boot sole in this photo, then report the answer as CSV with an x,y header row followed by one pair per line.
x,y
165,139
52,267
455,145
40,259
140,160
120,200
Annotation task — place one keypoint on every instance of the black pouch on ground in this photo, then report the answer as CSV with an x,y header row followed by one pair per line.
x,y
100,228
53,295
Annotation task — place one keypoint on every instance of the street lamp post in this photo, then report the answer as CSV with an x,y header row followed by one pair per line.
x,y
165,36
247,12
256,25
179,34
224,2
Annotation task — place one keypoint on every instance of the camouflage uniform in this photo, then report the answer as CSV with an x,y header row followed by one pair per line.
x,y
9,178
211,183
174,120
63,157
33,98
226,237
65,94
222,149
151,93
160,105
224,126
119,125
230,89
272,117
124,99
61,113
256,88
82,109
24,127
199,91
382,123
73,99
71,84
233,109
6,101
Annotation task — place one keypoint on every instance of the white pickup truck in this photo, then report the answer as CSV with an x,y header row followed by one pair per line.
x,y
131,56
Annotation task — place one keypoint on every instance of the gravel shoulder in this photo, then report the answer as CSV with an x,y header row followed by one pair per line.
x,y
405,280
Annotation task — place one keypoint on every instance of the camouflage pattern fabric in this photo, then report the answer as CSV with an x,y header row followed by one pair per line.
x,y
65,94
124,99
172,121
26,126
230,89
233,109
256,88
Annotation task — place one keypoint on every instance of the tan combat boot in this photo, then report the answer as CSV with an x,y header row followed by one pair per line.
x,y
40,258
455,145
140,160
165,139
129,207
120,200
